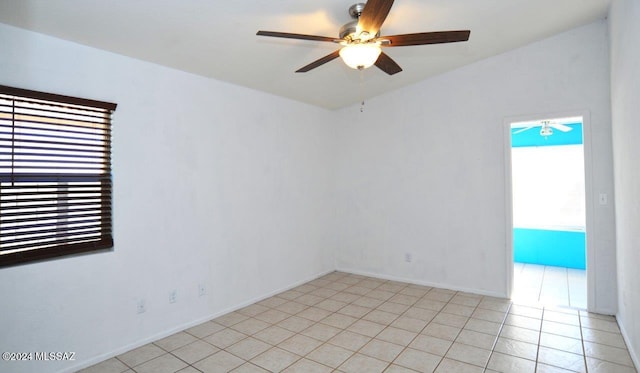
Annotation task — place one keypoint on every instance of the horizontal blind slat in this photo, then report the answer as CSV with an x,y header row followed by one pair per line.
x,y
41,117
60,212
59,242
92,162
62,196
45,234
52,177
87,158
35,167
7,195
8,122
18,137
21,227
59,208
104,215
63,151
68,145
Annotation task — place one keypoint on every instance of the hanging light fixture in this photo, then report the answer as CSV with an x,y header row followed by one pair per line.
x,y
546,129
360,55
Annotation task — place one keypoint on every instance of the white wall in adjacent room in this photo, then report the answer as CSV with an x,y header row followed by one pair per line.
x,y
625,97
548,189
214,184
422,169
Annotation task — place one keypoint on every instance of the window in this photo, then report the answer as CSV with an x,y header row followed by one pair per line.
x,y
55,175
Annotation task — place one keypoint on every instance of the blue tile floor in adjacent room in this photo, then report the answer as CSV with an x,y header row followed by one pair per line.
x,y
549,286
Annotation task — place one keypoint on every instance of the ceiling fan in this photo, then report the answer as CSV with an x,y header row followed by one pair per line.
x,y
546,128
361,41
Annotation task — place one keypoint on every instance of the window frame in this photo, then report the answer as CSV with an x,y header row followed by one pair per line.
x,y
99,176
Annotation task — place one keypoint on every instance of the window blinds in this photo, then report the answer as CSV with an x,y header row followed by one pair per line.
x,y
55,175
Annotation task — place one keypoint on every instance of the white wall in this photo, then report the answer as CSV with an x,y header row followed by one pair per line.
x,y
625,97
214,184
422,170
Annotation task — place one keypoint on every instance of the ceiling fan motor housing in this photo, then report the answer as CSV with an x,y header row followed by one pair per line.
x,y
349,30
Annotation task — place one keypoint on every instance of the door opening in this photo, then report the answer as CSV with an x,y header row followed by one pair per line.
x,y
548,226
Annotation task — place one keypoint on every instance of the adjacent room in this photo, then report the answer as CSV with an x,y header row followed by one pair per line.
x,y
549,216
184,191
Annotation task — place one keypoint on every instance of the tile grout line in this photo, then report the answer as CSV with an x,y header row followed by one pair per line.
x,y
544,273
584,351
495,342
566,271
539,337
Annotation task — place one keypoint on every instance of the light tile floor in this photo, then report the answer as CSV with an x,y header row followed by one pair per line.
x,y
549,286
349,323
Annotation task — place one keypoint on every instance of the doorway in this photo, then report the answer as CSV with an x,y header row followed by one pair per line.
x,y
548,212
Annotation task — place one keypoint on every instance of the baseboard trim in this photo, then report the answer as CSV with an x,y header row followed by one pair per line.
x,y
423,283
603,311
187,325
634,355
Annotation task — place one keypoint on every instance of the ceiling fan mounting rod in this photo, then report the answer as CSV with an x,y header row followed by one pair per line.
x,y
350,32
355,10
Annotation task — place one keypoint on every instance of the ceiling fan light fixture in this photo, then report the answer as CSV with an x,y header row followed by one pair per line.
x,y
361,39
360,56
546,131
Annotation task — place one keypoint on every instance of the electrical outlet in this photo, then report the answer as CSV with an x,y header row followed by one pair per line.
x,y
408,257
201,290
173,296
141,306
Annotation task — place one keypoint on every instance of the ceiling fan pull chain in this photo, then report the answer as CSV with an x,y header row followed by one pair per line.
x,y
361,89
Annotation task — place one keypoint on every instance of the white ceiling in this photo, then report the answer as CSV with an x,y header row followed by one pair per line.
x,y
216,39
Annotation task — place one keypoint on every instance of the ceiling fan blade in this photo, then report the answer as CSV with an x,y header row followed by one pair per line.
x,y
373,15
296,36
319,62
522,130
387,64
423,38
560,127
